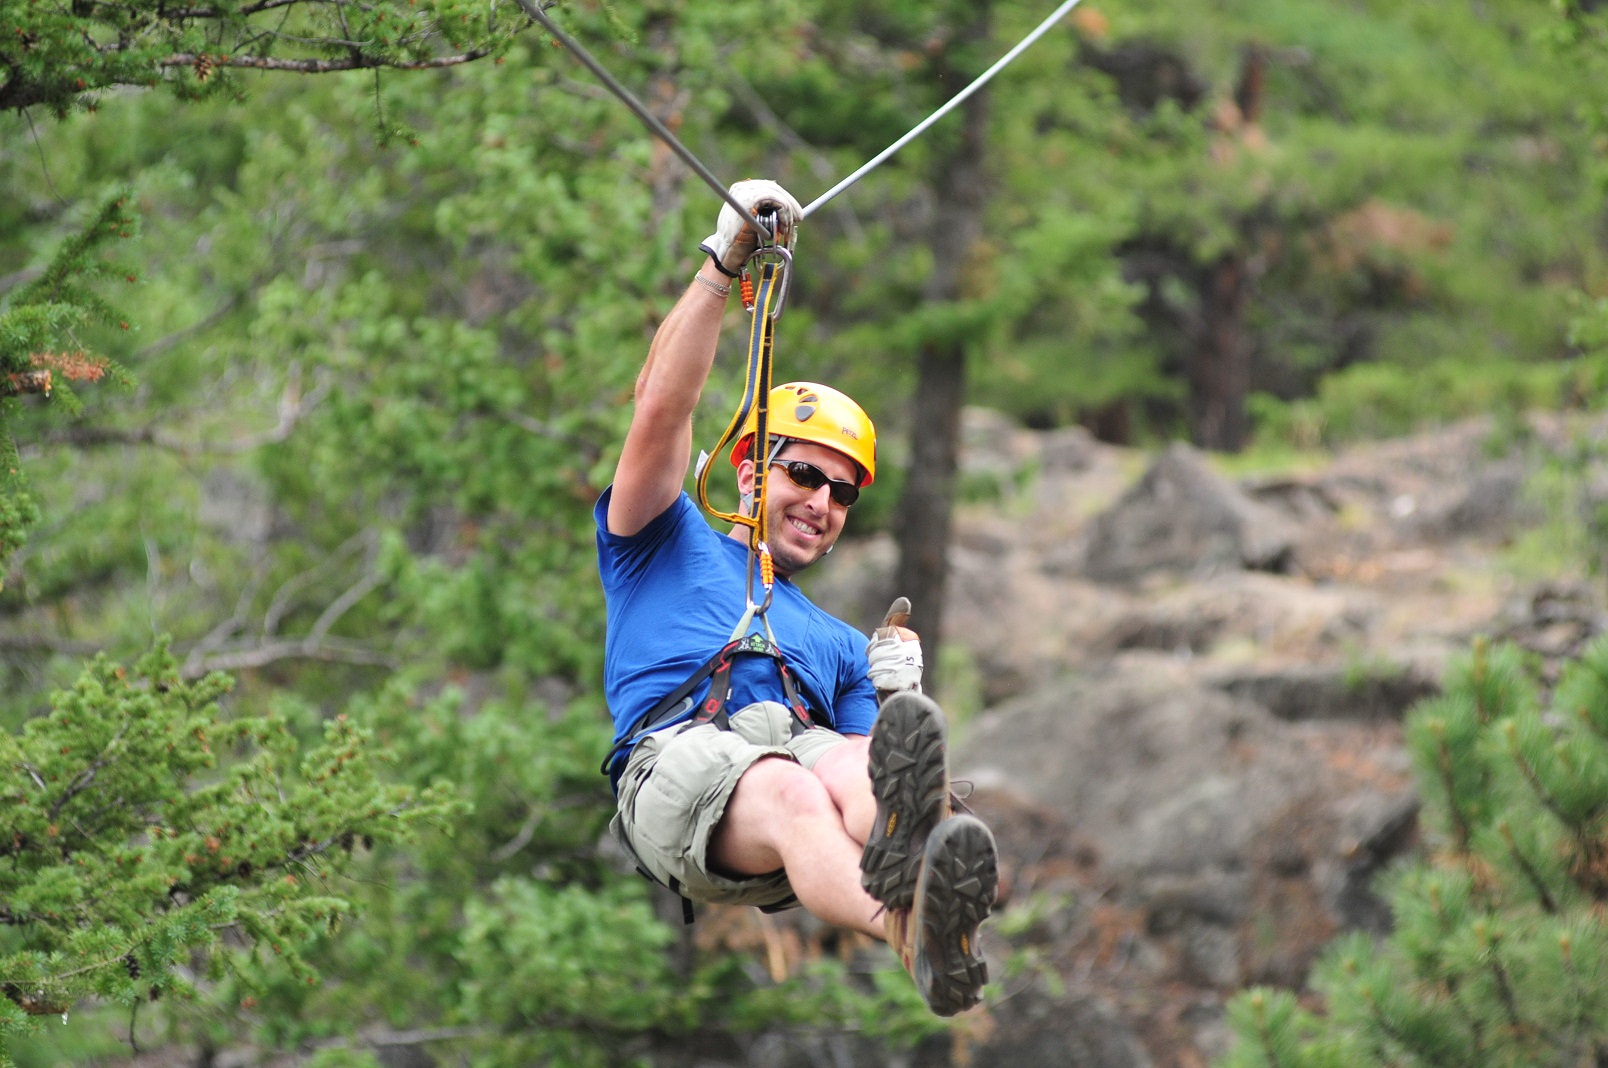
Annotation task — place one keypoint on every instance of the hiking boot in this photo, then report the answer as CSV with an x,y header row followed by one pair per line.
x,y
937,940
899,928
910,781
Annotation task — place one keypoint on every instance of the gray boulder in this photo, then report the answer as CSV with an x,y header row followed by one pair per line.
x,y
1146,762
1035,1028
1364,693
1184,517
1209,813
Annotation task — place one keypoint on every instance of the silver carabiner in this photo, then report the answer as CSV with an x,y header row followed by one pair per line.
x,y
755,608
781,256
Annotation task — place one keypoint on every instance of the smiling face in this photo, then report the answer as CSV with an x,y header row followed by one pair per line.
x,y
804,524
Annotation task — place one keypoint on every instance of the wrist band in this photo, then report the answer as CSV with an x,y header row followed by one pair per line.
x,y
712,286
714,259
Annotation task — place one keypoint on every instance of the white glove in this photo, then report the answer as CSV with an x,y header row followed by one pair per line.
x,y
895,662
734,239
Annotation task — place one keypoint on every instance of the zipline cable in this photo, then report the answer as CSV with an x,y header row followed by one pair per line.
x,y
948,106
533,8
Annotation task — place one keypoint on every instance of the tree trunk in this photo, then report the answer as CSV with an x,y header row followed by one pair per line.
x,y
922,524
1220,364
667,175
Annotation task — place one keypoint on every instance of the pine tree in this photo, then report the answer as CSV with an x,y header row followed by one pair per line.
x,y
64,58
1500,952
143,830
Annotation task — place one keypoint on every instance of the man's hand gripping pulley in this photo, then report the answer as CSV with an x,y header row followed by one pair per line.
x,y
734,241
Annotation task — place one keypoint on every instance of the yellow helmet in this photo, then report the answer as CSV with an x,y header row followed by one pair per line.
x,y
809,411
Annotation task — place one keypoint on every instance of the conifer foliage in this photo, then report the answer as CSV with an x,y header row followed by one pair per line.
x,y
61,55
150,844
1500,952
40,349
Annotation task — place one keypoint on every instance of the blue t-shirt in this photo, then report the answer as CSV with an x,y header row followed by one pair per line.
x,y
675,589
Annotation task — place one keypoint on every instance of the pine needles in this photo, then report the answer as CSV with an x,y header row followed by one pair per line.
x,y
1500,953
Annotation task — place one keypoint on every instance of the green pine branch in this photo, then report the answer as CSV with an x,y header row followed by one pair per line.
x,y
139,824
1499,953
40,352
62,56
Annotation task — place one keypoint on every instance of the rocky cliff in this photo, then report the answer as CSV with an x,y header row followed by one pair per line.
x,y
1178,699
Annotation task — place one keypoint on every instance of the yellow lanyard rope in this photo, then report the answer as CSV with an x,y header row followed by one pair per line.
x,y
768,295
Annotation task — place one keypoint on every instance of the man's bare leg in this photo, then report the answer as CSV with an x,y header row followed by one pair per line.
x,y
782,815
844,770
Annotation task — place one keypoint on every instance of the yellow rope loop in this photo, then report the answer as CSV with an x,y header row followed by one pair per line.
x,y
758,392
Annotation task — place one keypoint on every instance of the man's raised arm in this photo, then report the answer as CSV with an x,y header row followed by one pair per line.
x,y
658,447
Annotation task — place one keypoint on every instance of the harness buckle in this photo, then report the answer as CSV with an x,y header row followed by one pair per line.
x,y
755,643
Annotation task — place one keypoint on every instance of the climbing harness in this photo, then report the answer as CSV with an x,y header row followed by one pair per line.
x,y
713,709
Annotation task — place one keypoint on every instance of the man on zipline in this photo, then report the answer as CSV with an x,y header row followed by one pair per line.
x,y
749,800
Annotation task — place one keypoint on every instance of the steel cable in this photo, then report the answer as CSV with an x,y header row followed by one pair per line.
x,y
534,10
948,106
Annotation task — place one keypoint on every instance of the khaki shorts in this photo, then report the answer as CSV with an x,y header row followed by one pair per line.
x,y
675,787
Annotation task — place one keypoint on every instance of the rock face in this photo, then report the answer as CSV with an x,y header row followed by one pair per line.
x,y
1183,517
1334,693
1199,802
1180,696
1193,840
1143,761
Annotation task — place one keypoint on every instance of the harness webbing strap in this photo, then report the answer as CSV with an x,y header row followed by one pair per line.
x,y
660,713
713,708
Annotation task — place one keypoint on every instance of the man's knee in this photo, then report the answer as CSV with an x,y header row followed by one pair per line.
x,y
843,768
775,788
775,800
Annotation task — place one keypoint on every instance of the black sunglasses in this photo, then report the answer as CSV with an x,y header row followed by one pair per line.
x,y
810,477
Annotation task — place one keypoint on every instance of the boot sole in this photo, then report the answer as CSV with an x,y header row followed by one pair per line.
x,y
959,881
910,781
